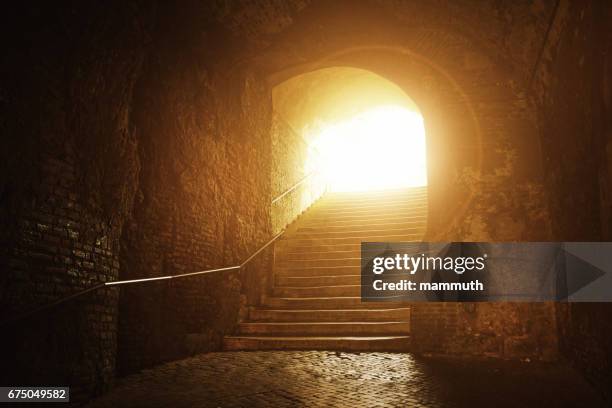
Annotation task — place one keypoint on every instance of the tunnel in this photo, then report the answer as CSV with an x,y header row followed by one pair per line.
x,y
347,129
186,188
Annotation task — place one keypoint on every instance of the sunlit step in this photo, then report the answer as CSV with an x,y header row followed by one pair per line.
x,y
378,226
366,217
358,205
317,271
355,251
324,328
347,315
321,249
305,281
401,230
336,343
348,302
298,256
317,291
304,263
365,221
282,250
297,242
376,194
398,208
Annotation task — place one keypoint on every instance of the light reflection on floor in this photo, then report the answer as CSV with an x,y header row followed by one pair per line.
x,y
328,379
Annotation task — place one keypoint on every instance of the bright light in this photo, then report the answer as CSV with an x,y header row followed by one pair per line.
x,y
382,148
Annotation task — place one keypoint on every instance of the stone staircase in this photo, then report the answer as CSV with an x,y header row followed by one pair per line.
x,y
315,302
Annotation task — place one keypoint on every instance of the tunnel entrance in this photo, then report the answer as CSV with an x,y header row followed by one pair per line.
x,y
343,130
349,166
380,148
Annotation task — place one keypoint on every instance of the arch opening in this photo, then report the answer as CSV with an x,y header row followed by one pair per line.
x,y
361,130
378,149
343,129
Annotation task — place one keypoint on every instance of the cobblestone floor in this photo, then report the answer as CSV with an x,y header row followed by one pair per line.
x,y
327,379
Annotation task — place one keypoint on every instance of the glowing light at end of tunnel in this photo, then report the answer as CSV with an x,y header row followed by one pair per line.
x,y
382,148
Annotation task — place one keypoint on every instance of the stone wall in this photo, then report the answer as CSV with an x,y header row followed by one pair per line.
x,y
67,182
525,331
134,148
568,93
292,162
571,91
137,143
584,337
203,198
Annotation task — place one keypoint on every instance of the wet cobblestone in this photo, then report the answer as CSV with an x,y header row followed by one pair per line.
x,y
328,379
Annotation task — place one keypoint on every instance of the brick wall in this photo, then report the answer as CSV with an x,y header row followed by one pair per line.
x,y
67,180
125,163
56,249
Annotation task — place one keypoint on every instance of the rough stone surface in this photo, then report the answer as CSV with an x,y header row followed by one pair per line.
x,y
523,331
290,165
571,92
571,99
136,143
203,197
324,379
126,163
67,183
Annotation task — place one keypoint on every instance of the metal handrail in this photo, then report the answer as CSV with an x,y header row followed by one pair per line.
x,y
296,185
159,278
143,280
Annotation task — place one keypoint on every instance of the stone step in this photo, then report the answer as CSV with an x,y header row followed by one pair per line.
x,y
357,204
282,248
315,302
305,281
317,291
284,257
296,242
347,202
306,263
282,251
349,302
302,276
357,196
307,255
377,343
374,195
348,199
347,315
391,224
358,232
364,217
318,271
323,328
395,209
406,219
